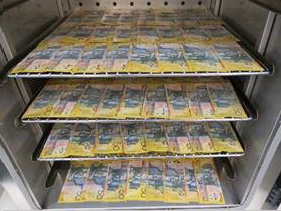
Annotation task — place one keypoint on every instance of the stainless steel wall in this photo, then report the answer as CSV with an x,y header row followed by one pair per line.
x,y
260,137
141,4
247,18
263,135
20,26
23,23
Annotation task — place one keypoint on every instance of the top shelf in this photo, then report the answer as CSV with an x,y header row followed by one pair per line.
x,y
149,43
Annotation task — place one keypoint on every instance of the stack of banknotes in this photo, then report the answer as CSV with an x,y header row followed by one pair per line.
x,y
180,181
90,140
174,99
139,42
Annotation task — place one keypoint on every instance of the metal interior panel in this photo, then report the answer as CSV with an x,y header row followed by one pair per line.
x,y
249,21
213,5
247,18
23,23
257,135
141,4
18,141
10,3
274,6
65,6
3,59
11,197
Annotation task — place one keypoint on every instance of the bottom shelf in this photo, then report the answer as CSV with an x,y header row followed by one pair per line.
x,y
226,188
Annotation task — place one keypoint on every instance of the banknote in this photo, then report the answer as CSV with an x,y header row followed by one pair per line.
x,y
156,138
65,105
143,58
42,106
208,185
235,58
137,181
171,58
132,103
110,139
110,102
224,138
92,59
72,189
88,103
155,105
178,138
174,188
199,136
116,181
177,101
190,180
83,140
134,139
155,182
95,185
200,57
117,58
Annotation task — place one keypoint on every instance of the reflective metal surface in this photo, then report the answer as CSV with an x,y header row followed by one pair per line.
x,y
140,4
274,6
260,137
247,18
16,141
25,22
21,24
11,197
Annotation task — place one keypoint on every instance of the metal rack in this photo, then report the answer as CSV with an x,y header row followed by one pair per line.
x,y
124,157
149,155
268,69
62,169
138,74
231,200
77,120
246,104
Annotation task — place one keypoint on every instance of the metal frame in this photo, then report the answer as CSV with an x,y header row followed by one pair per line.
x,y
56,189
65,120
261,47
60,9
139,157
138,74
217,7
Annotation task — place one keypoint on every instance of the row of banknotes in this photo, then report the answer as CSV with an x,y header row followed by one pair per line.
x,y
82,48
143,17
180,181
139,58
89,140
66,34
172,99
